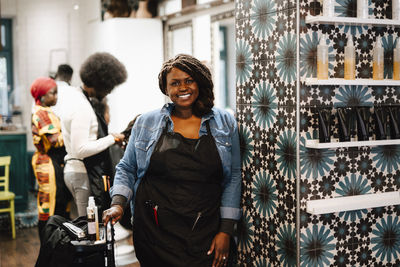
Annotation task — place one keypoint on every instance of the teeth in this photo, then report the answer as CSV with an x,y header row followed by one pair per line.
x,y
187,95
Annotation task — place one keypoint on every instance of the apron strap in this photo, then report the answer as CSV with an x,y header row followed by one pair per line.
x,y
208,128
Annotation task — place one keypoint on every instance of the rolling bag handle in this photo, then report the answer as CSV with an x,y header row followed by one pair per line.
x,y
109,253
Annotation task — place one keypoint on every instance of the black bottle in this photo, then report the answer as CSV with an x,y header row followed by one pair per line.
x,y
362,124
380,121
393,122
344,126
324,125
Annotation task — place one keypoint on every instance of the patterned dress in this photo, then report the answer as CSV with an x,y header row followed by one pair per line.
x,y
46,132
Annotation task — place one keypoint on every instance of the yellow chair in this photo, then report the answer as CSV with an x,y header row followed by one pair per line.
x,y
6,195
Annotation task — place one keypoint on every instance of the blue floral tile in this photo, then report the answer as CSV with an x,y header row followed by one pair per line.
x,y
386,158
246,144
245,232
317,246
286,58
259,8
385,240
347,96
345,237
315,163
286,245
264,194
243,30
244,62
308,55
242,8
286,153
362,254
263,18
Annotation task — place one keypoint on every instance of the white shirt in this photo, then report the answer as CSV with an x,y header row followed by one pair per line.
x,y
63,95
79,127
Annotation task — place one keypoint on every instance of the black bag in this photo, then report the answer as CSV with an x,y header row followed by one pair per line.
x,y
98,165
60,248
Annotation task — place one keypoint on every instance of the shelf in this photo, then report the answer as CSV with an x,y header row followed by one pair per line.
x,y
314,143
351,21
365,82
348,203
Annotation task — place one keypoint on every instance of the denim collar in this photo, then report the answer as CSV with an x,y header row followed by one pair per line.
x,y
168,107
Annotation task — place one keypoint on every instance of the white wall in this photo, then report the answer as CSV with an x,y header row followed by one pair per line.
x,y
138,44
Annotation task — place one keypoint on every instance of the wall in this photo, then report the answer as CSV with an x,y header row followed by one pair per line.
x,y
279,171
361,237
142,54
266,113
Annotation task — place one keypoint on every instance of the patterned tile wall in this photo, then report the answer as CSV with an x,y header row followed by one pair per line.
x,y
266,108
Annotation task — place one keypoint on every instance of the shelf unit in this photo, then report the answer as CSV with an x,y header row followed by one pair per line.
x,y
348,203
351,21
314,143
364,82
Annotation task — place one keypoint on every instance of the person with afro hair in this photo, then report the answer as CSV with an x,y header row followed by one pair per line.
x,y
86,134
181,173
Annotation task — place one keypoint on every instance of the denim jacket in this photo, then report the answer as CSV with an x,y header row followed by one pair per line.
x,y
145,134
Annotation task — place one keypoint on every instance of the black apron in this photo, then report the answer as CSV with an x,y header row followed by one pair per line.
x,y
177,204
63,195
99,165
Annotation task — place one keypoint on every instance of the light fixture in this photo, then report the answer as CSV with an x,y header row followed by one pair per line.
x,y
76,6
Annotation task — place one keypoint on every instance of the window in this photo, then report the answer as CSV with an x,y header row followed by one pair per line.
x,y
6,75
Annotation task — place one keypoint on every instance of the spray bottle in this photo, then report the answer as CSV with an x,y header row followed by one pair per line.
x,y
322,59
396,60
377,65
350,60
93,220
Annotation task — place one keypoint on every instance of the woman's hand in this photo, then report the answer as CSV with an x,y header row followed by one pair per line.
x,y
118,138
220,245
114,214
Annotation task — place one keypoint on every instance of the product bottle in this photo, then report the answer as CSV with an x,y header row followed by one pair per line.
x,y
394,127
396,61
362,123
93,221
350,60
380,124
322,59
344,127
395,9
362,9
328,8
324,116
377,65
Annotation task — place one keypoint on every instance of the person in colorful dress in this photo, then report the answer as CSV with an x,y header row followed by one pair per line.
x,y
181,171
48,160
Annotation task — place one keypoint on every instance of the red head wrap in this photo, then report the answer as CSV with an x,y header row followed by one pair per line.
x,y
40,87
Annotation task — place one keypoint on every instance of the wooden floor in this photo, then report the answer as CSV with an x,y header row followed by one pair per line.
x,y
23,251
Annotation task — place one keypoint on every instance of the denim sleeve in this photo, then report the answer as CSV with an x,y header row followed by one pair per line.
x,y
126,170
230,203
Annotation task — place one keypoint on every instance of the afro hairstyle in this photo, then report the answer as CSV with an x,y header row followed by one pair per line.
x,y
102,72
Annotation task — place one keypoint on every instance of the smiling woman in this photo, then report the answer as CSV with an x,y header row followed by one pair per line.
x,y
181,171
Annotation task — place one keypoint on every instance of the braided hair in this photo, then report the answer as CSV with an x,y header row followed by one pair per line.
x,y
199,72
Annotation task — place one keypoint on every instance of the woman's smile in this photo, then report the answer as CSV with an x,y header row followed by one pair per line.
x,y
182,89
